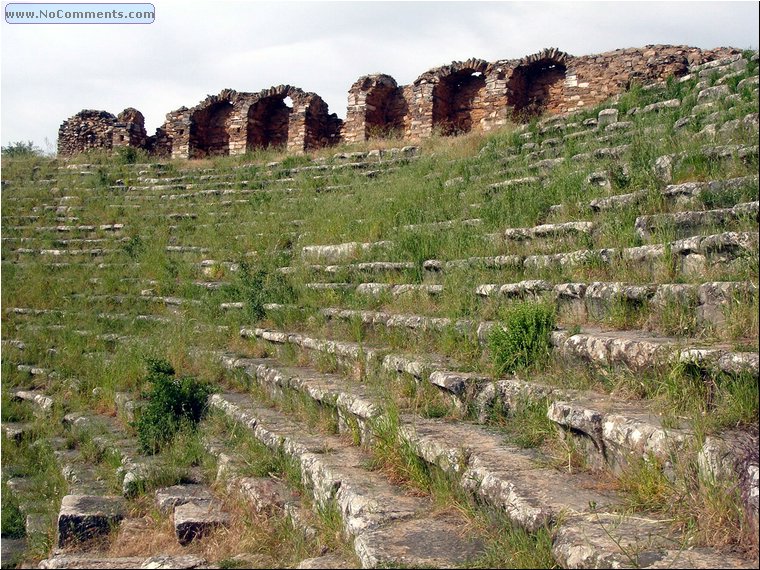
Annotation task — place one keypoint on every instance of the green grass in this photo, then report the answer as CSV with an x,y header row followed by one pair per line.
x,y
13,520
523,338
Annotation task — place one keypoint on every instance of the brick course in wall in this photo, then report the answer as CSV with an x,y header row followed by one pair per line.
x,y
451,99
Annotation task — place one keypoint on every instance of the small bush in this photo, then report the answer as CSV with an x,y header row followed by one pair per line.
x,y
130,155
21,149
173,404
262,284
523,339
13,520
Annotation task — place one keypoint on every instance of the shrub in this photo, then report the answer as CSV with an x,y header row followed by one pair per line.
x,y
173,404
21,149
260,285
13,525
523,339
130,155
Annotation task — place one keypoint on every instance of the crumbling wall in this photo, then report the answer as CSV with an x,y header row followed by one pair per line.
x,y
451,99
129,129
235,122
377,108
268,122
536,84
209,133
86,130
592,79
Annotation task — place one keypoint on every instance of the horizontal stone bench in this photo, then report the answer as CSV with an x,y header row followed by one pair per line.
x,y
693,255
683,193
690,221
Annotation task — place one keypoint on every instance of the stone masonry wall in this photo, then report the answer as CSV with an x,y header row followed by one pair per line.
x,y
451,99
129,129
86,130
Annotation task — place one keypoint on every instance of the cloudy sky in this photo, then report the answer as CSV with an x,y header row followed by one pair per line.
x,y
194,48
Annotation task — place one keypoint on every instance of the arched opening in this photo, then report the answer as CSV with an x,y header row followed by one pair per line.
x,y
535,87
385,111
455,101
268,121
208,130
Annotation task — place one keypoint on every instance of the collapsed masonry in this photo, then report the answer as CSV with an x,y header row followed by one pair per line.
x,y
449,100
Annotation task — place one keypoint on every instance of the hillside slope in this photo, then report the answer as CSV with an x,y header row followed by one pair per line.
x,y
533,348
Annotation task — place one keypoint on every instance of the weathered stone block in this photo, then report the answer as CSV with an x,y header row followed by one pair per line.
x,y
607,117
193,521
83,517
170,497
265,494
717,92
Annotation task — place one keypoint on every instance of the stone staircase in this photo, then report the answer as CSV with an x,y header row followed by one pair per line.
x,y
344,306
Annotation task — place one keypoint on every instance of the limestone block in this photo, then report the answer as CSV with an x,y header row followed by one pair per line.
x,y
717,92
607,117
192,520
83,517
170,497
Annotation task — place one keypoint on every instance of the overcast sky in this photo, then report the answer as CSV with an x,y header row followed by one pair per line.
x,y
50,72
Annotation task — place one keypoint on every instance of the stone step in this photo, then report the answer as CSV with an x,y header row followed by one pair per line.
x,y
414,322
267,495
389,526
445,224
509,479
708,301
638,351
545,231
686,223
684,193
693,255
194,520
339,252
88,252
110,437
664,166
603,540
14,343
614,428
68,229
17,431
27,311
367,267
43,404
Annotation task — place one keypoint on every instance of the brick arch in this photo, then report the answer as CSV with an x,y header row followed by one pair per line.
x,y
537,83
264,119
453,95
209,126
376,108
268,116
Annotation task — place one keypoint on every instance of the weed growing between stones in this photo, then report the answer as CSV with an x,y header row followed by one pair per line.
x,y
527,425
522,341
173,404
13,520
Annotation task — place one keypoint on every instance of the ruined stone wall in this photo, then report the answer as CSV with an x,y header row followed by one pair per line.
x,y
129,129
592,79
86,130
451,99
377,107
233,123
